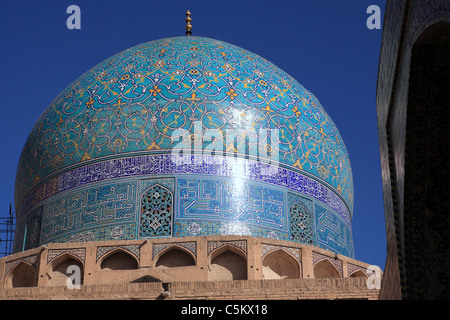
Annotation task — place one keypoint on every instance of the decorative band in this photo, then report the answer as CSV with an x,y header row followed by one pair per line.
x,y
185,164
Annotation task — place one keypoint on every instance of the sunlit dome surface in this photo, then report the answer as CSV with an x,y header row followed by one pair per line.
x,y
100,162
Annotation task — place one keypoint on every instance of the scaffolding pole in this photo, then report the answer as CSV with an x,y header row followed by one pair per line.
x,y
7,233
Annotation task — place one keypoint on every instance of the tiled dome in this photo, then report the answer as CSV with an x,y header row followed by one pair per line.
x,y
105,148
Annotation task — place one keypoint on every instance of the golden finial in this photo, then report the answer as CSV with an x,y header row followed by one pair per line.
x,y
188,24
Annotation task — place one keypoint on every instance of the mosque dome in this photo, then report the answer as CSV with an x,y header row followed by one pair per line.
x,y
184,136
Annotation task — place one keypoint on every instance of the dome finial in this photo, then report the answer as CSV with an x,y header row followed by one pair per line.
x,y
188,24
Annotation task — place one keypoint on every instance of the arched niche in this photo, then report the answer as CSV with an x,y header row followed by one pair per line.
x,y
426,227
119,259
173,257
358,274
58,270
22,275
280,265
325,269
227,263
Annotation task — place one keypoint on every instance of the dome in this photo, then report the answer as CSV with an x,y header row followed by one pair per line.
x,y
184,136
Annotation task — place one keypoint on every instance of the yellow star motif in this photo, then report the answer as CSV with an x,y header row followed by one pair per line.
x,y
119,103
268,109
298,164
153,145
296,111
90,102
155,90
85,157
230,147
193,98
231,94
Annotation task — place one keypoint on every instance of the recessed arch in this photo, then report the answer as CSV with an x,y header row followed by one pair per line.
x,y
59,266
325,269
227,263
280,264
358,274
174,256
65,256
227,247
424,219
118,259
22,275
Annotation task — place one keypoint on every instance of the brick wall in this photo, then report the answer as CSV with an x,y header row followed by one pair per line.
x,y
286,289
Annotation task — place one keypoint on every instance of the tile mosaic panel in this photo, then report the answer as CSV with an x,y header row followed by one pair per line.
x,y
214,166
33,229
190,246
133,249
104,206
332,233
301,215
268,248
156,212
240,244
119,231
228,201
78,252
193,206
186,228
352,268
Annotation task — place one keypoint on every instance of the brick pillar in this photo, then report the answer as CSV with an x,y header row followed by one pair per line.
x,y
42,267
344,268
90,264
202,257
254,268
307,263
146,254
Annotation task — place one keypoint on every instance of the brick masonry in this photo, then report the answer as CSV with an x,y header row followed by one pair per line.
x,y
271,269
286,289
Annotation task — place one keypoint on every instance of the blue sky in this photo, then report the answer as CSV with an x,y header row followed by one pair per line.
x,y
324,44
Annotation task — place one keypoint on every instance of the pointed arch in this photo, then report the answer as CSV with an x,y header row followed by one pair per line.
x,y
58,268
22,275
325,269
227,247
280,264
174,256
423,222
227,263
62,258
118,259
358,274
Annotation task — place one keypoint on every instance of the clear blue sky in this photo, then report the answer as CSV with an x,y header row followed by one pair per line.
x,y
324,44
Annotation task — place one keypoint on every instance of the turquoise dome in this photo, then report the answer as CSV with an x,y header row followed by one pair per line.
x,y
111,135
